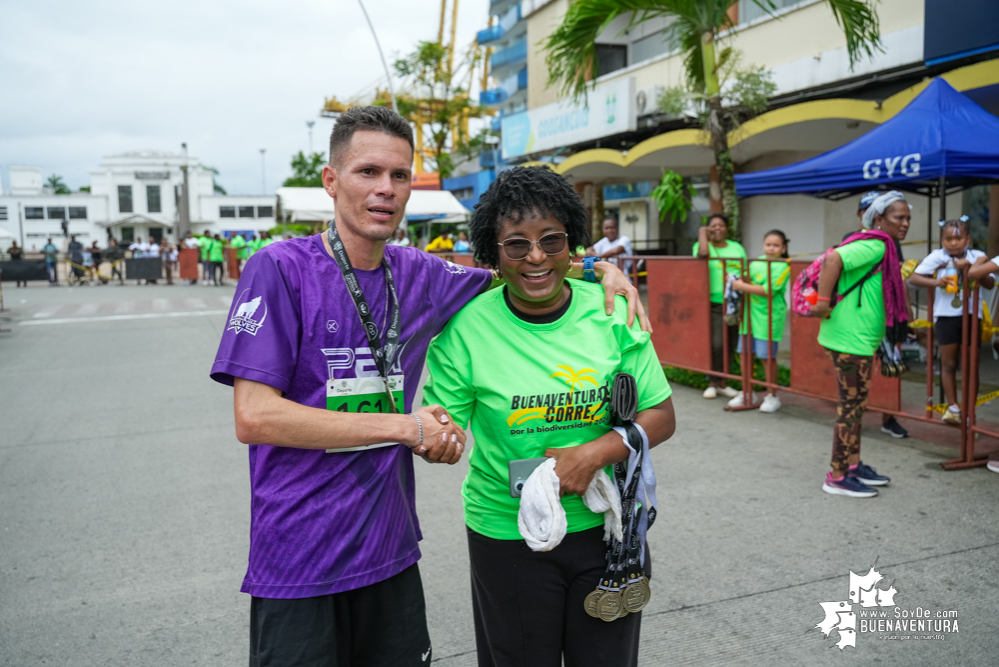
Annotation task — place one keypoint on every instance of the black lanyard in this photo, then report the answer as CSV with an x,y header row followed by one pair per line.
x,y
383,355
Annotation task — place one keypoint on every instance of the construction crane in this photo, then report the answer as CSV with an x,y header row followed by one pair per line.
x,y
422,112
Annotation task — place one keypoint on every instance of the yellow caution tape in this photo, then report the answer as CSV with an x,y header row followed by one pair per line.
x,y
979,402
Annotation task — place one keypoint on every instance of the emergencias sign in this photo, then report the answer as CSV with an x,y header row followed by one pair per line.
x,y
611,111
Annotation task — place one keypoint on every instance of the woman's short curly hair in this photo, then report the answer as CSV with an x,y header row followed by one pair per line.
x,y
523,192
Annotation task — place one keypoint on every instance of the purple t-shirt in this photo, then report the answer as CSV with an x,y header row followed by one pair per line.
x,y
322,522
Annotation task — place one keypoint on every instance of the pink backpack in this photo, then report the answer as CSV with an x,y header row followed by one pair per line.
x,y
805,291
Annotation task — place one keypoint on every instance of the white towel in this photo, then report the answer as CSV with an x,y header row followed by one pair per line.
x,y
541,519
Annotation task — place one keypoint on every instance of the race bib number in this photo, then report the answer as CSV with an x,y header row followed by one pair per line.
x,y
364,394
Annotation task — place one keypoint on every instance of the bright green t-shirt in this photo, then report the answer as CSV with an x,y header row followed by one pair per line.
x,y
204,245
239,243
215,251
733,250
779,274
266,242
851,328
527,387
253,246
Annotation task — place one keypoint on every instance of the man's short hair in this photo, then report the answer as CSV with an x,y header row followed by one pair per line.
x,y
373,119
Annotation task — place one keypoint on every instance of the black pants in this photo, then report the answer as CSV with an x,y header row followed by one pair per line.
x,y
717,342
528,606
217,267
381,625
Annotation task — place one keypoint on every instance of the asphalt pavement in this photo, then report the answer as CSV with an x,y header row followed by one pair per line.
x,y
125,512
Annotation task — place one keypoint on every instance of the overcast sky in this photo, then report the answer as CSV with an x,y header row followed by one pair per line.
x,y
81,80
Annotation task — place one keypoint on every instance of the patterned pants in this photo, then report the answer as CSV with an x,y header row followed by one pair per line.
x,y
853,377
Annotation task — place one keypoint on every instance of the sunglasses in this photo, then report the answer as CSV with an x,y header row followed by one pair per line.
x,y
550,244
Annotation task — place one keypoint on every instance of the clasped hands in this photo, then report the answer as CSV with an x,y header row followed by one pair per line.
x,y
443,439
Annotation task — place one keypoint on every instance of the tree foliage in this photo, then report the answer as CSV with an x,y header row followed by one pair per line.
x,y
58,186
673,197
694,26
307,171
216,188
438,103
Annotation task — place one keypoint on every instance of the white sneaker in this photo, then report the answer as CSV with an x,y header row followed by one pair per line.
x,y
728,392
770,403
710,392
737,401
993,466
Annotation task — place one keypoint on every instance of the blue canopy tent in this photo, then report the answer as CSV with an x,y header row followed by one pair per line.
x,y
940,142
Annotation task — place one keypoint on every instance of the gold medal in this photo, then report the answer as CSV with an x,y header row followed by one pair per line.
x,y
591,603
609,606
636,596
644,583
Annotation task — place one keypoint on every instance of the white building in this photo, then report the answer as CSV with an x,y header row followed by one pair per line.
x,y
132,195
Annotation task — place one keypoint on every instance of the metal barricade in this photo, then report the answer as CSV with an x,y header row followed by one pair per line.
x,y
679,308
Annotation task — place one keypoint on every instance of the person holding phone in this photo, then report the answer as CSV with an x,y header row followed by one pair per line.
x,y
531,366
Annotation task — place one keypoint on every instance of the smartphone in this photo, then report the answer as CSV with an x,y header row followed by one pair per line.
x,y
520,470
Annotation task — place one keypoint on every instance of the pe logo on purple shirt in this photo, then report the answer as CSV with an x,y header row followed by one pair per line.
x,y
332,326
243,318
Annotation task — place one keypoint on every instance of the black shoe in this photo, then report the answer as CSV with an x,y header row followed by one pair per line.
x,y
893,428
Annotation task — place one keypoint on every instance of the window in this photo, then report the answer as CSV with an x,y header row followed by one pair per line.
x,y
246,211
3,212
265,211
750,11
611,57
125,198
34,212
127,234
651,46
57,212
227,211
77,212
463,193
153,199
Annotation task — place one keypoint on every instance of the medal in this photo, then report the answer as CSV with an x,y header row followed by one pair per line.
x,y
609,606
956,302
636,596
591,602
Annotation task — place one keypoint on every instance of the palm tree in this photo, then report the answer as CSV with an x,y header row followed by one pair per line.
x,y
58,186
694,25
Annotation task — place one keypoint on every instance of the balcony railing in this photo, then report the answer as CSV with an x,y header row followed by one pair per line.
x,y
503,26
508,87
511,55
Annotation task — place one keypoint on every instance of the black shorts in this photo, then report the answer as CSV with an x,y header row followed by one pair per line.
x,y
381,625
948,330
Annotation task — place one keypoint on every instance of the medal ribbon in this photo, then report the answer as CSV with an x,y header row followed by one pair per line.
x,y
383,355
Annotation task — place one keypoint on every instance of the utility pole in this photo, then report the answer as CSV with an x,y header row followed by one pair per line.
x,y
263,173
310,123
184,218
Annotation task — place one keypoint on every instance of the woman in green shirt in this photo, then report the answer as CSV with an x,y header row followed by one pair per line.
x,y
713,243
531,366
852,331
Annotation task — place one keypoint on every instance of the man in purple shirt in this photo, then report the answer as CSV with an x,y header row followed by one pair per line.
x,y
324,346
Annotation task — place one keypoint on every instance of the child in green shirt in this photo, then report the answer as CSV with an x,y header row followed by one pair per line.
x,y
767,274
